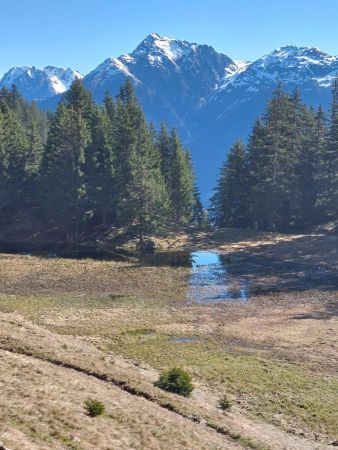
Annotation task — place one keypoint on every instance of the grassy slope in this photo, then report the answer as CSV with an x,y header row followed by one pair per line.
x,y
278,374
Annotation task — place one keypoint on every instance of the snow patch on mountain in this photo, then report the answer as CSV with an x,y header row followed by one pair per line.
x,y
291,65
61,79
232,71
158,49
35,83
15,72
110,68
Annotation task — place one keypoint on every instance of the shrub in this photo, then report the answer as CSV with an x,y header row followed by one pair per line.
x,y
175,380
94,407
224,403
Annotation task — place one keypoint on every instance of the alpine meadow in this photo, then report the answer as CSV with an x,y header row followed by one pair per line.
x,y
168,225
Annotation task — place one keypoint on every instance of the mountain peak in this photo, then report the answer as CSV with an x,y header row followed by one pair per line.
x,y
35,83
157,49
303,55
156,36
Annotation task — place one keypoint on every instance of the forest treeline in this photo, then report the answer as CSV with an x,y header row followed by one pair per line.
x,y
286,177
88,165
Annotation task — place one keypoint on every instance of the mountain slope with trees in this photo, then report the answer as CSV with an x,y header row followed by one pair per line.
x,y
286,176
210,98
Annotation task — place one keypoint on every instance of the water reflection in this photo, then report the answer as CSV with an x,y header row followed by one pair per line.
x,y
210,280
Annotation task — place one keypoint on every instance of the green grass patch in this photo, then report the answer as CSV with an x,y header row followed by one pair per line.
x,y
274,390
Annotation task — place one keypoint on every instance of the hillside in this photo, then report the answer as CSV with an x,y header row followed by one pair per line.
x,y
74,329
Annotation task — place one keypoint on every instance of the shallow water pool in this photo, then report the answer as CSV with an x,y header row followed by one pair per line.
x,y
210,280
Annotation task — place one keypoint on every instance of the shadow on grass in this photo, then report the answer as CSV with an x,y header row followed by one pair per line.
x,y
331,311
310,262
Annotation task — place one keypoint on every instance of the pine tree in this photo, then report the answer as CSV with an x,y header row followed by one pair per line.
x,y
3,162
199,214
165,150
181,189
307,183
151,205
272,155
13,152
35,148
23,128
279,135
229,204
100,170
332,153
32,160
62,177
299,123
129,119
259,176
80,100
110,107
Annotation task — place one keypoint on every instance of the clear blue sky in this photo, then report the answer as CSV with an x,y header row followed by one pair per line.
x,y
82,33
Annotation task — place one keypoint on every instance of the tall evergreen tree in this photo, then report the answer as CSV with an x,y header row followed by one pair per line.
x,y
110,107
129,119
165,149
282,160
151,203
229,205
307,183
62,176
272,155
332,153
99,170
181,189
199,214
13,157
259,175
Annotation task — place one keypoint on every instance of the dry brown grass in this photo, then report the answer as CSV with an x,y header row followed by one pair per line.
x,y
25,275
45,404
275,356
21,337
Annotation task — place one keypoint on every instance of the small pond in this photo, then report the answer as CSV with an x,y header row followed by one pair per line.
x,y
212,278
211,281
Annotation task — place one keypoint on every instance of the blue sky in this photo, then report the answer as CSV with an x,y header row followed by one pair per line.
x,y
82,33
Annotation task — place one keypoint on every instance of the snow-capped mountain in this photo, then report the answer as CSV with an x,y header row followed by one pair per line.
x,y
290,64
210,98
39,84
242,96
172,78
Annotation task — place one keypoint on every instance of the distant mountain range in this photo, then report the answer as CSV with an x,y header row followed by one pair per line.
x,y
210,98
40,84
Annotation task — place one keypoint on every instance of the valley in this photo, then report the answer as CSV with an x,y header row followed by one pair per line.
x,y
169,225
